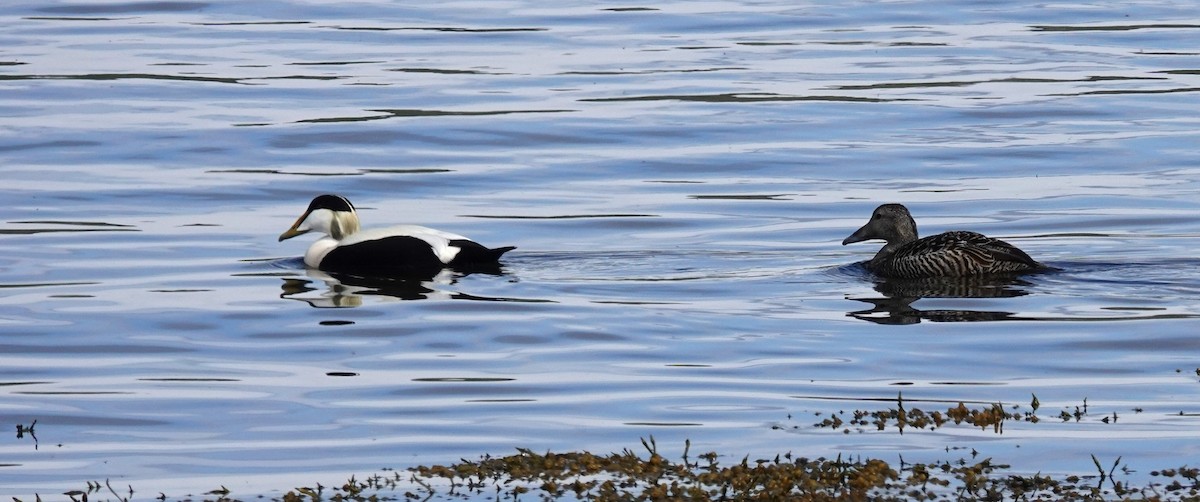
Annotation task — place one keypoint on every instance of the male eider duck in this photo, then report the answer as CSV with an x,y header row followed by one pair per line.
x,y
400,251
950,254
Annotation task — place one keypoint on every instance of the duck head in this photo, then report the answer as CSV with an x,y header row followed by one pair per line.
x,y
889,222
332,215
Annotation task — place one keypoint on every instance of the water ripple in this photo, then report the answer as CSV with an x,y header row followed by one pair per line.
x,y
678,179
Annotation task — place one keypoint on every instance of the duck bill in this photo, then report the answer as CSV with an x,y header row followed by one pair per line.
x,y
295,230
858,236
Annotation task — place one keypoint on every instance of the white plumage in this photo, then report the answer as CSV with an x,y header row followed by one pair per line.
x,y
402,250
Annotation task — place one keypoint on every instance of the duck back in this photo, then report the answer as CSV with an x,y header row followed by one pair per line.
x,y
953,254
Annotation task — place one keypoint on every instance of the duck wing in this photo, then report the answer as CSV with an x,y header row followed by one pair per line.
x,y
439,242
417,243
1002,252
957,254
404,256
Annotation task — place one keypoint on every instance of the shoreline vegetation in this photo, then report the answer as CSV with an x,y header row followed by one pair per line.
x,y
649,475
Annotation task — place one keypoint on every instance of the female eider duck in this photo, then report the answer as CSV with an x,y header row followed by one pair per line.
x,y
400,251
950,254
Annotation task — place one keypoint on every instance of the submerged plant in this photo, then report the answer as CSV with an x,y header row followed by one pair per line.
x,y
628,476
649,476
992,416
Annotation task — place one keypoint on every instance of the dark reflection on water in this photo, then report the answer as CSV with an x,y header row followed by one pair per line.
x,y
896,305
66,227
356,172
124,76
899,310
743,98
899,295
1119,27
125,8
387,114
446,29
342,290
49,145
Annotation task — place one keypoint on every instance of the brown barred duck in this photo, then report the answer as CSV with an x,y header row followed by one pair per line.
x,y
399,251
950,254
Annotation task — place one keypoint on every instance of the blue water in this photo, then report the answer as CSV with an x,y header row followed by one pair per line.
x,y
677,178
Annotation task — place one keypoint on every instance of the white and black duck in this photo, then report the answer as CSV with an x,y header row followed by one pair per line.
x,y
399,251
950,254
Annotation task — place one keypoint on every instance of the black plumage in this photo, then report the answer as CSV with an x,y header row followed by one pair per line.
x,y
409,251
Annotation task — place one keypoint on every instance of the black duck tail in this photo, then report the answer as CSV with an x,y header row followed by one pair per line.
x,y
494,254
471,252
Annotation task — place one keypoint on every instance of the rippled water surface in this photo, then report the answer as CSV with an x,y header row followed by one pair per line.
x,y
678,178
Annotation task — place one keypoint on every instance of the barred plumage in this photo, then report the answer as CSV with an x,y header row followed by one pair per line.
x,y
949,254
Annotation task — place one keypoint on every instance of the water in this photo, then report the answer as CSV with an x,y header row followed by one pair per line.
x,y
678,179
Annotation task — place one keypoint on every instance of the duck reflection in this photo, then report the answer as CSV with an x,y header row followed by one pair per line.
x,y
343,291
895,307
